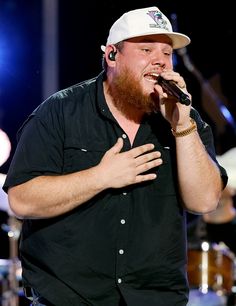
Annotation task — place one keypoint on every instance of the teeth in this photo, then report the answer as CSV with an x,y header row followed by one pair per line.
x,y
152,77
155,74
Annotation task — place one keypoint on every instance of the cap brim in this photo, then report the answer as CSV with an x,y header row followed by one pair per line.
x,y
179,40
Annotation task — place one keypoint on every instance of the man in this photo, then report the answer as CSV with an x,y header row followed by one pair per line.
x,y
104,172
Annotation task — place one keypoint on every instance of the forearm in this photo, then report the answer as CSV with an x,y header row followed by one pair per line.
x,y
199,177
50,196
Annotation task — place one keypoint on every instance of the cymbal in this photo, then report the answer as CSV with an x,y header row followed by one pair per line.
x,y
5,146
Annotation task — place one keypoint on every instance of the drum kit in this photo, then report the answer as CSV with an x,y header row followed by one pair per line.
x,y
10,268
211,266
211,275
11,293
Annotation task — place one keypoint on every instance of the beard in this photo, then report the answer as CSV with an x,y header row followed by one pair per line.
x,y
128,96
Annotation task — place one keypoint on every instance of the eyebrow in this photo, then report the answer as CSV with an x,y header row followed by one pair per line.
x,y
151,40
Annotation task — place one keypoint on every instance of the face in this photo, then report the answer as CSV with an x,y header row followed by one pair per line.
x,y
136,68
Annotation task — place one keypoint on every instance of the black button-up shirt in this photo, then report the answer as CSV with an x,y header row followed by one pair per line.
x,y
129,241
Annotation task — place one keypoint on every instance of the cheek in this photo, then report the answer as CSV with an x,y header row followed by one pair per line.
x,y
169,64
136,63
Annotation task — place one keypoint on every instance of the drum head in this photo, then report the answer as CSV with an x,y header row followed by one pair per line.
x,y
197,298
211,268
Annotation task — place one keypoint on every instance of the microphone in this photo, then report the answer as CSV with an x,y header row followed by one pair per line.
x,y
171,88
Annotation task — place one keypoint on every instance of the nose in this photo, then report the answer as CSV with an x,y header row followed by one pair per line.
x,y
158,63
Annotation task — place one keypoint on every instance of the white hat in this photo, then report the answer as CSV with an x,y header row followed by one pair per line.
x,y
228,161
142,22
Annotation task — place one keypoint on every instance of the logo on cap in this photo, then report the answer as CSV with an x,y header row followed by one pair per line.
x,y
159,20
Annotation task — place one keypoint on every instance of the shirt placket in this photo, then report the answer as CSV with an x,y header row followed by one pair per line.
x,y
123,220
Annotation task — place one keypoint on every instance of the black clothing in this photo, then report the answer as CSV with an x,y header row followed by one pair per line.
x,y
129,241
223,232
4,238
198,231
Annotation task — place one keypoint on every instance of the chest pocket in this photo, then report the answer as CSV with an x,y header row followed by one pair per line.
x,y
78,156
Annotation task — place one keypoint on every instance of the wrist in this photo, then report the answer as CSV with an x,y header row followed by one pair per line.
x,y
184,132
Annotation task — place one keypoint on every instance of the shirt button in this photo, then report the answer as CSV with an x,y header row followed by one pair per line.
x,y
124,136
122,221
121,252
124,193
119,280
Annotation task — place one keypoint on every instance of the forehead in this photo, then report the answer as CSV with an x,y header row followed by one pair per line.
x,y
162,38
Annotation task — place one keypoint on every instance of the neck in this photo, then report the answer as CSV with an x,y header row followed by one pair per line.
x,y
129,119
125,111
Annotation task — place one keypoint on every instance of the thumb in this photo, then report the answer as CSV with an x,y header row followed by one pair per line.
x,y
118,146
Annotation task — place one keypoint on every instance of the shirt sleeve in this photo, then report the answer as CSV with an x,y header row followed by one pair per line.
x,y
207,138
40,146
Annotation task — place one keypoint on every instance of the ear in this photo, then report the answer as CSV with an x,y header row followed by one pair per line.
x,y
110,54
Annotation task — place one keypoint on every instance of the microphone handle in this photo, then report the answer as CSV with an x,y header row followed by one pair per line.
x,y
171,88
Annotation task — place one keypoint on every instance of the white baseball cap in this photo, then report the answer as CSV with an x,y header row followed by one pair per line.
x,y
228,161
142,22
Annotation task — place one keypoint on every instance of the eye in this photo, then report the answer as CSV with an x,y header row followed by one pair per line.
x,y
146,50
168,53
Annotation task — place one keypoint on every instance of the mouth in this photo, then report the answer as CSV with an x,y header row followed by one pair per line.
x,y
151,77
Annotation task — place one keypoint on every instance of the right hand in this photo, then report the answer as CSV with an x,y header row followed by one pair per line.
x,y
119,169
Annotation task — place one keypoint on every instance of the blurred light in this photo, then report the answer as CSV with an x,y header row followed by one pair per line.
x,y
205,246
226,113
13,43
2,51
5,147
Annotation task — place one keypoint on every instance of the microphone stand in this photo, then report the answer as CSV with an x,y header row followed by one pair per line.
x,y
206,86
208,89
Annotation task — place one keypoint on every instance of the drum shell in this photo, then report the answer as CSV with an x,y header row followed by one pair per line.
x,y
212,269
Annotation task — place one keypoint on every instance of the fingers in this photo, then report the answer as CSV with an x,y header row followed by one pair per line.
x,y
175,77
145,178
151,161
140,154
129,167
144,161
135,152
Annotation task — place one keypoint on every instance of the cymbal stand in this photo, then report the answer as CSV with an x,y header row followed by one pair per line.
x,y
11,296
